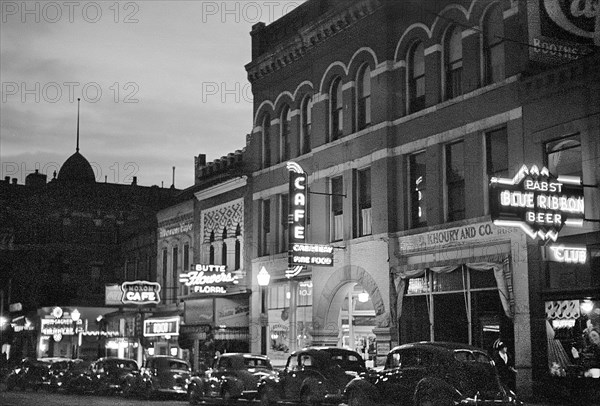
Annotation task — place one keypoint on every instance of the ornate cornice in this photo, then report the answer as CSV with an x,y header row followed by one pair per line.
x,y
295,47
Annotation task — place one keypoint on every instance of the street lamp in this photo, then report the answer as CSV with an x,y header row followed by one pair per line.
x,y
263,279
75,316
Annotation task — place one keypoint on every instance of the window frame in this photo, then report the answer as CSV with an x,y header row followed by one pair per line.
x,y
416,101
306,125
451,184
363,97
416,195
336,109
453,62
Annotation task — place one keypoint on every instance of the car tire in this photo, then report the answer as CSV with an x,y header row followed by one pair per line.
x,y
268,397
433,392
358,398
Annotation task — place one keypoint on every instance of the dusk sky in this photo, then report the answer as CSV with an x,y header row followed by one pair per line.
x,y
160,82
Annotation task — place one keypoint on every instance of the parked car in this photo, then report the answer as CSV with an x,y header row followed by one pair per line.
x,y
233,376
432,373
76,379
160,374
30,373
51,380
108,375
312,375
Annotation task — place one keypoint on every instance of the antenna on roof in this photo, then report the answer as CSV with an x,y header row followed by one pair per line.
x,y
77,149
173,185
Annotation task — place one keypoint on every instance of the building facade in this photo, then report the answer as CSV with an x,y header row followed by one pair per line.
x,y
401,113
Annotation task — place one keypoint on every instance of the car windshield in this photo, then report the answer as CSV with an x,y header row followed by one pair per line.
x,y
348,361
178,365
256,362
471,356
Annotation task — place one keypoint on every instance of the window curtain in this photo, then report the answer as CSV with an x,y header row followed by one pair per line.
x,y
502,274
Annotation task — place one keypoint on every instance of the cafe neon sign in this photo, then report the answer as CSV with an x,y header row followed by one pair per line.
x,y
537,202
140,292
209,279
297,214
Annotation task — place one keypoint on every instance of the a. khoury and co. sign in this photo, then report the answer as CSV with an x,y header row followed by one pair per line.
x,y
537,202
563,30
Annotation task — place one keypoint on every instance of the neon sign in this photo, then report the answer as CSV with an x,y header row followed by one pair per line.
x,y
570,254
209,279
140,292
537,201
312,254
161,327
297,215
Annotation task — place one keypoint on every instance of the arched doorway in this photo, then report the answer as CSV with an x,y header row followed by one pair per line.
x,y
357,321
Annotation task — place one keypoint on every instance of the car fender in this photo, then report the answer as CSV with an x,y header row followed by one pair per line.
x,y
272,383
360,385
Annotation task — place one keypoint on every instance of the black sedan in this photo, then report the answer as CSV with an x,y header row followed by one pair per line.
x,y
312,376
432,373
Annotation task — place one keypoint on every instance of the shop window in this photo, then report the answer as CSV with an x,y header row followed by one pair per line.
x,y
284,223
337,209
285,123
455,181
363,104
416,78
266,141
573,336
418,188
493,46
563,156
440,306
363,202
336,108
306,118
453,63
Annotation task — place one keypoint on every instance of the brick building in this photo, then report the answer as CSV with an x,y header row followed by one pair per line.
x,y
401,113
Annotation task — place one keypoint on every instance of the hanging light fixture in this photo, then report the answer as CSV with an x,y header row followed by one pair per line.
x,y
363,297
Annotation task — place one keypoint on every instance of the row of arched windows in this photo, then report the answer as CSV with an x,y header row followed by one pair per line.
x,y
417,84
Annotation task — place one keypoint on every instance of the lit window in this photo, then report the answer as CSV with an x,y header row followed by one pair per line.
x,y
418,188
337,209
363,202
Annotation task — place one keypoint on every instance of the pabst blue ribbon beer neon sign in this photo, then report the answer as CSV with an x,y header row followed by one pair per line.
x,y
537,202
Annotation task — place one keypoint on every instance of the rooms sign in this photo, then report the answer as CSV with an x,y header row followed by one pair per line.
x,y
537,201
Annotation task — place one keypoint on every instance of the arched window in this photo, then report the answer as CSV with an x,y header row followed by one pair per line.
x,y
285,124
211,250
453,62
336,108
416,78
364,97
238,247
266,141
306,113
493,46
224,248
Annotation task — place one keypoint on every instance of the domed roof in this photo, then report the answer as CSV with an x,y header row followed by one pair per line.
x,y
77,169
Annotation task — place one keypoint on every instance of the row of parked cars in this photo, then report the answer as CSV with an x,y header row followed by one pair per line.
x,y
418,374
105,376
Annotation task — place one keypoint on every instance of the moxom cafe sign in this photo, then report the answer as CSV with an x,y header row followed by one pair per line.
x,y
211,279
537,202
140,292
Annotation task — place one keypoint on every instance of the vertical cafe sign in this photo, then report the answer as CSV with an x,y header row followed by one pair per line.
x,y
296,213
563,30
